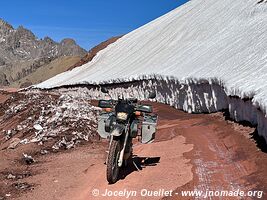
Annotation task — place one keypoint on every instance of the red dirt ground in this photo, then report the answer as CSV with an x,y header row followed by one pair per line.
x,y
201,152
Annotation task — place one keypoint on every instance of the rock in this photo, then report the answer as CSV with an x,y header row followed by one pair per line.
x,y
38,127
11,176
28,159
70,145
19,127
13,143
22,186
24,141
43,152
25,174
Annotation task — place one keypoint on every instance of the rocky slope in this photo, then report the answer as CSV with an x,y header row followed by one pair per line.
x,y
46,71
22,53
60,65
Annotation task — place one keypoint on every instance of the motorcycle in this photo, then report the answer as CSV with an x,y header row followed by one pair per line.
x,y
120,121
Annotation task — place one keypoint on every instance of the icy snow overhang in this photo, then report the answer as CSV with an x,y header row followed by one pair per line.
x,y
199,40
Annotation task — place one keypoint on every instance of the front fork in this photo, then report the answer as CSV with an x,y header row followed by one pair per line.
x,y
120,161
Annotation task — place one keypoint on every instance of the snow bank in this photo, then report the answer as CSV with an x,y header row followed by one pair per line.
x,y
193,97
201,40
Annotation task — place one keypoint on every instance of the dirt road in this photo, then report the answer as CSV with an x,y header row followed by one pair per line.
x,y
191,152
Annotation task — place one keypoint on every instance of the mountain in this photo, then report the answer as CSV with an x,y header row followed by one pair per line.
x,y
46,71
22,53
60,65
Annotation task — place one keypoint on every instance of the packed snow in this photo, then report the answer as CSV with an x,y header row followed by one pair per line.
x,y
61,119
223,42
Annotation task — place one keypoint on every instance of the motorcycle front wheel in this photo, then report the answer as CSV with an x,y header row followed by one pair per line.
x,y
112,162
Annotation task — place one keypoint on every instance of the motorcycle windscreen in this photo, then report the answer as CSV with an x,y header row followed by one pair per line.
x,y
103,117
149,127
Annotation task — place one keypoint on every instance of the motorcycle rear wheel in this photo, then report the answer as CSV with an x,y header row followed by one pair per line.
x,y
112,162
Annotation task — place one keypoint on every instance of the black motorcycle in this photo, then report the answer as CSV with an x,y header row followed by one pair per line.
x,y
120,121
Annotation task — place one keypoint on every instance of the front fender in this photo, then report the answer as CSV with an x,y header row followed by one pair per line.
x,y
118,129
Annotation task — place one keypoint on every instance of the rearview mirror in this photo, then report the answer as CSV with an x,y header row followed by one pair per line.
x,y
145,108
104,90
105,103
152,95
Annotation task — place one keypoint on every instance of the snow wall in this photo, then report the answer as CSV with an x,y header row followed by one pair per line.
x,y
192,96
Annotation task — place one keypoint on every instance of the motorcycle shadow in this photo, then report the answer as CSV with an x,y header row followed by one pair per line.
x,y
137,164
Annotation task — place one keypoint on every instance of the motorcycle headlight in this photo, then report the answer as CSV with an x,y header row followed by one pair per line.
x,y
122,115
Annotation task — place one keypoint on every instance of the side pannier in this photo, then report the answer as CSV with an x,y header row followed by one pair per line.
x,y
148,129
103,121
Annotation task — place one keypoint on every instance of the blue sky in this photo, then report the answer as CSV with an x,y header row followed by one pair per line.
x,y
89,22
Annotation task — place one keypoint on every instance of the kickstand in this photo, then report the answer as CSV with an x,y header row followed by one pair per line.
x,y
136,166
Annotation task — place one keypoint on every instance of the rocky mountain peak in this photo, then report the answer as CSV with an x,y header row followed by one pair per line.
x,y
5,25
68,41
48,39
25,33
22,46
